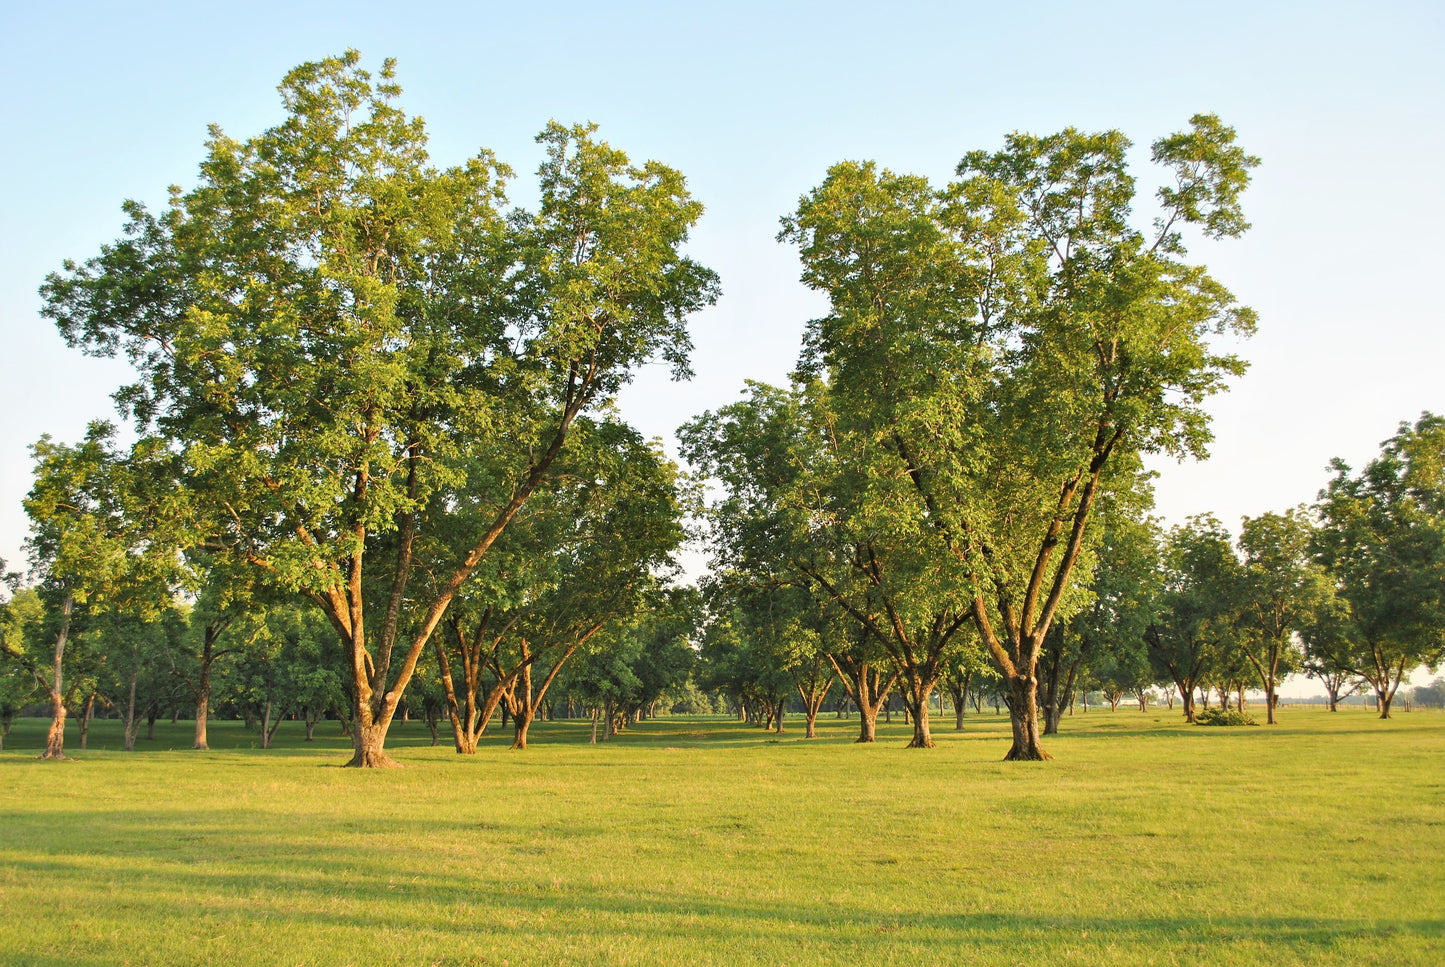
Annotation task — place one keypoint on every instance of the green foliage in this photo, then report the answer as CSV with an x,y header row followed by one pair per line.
x,y
1281,589
997,353
1382,540
1225,717
1195,621
335,338
1429,696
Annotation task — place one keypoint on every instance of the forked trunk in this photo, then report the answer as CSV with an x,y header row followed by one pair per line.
x,y
1052,714
1024,718
268,728
521,721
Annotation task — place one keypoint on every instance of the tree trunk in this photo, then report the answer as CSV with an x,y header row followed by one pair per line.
x,y
266,726
86,714
368,745
521,721
915,701
55,738
203,713
1024,718
131,724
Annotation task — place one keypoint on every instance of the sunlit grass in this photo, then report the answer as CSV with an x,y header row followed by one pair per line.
x,y
704,842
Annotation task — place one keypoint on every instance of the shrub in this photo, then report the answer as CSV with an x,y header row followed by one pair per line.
x,y
1219,716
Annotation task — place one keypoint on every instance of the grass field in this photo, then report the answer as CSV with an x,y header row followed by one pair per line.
x,y
698,841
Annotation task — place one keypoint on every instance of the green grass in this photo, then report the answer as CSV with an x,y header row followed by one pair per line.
x,y
702,842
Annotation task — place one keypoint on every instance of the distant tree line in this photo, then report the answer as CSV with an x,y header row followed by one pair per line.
x,y
1349,590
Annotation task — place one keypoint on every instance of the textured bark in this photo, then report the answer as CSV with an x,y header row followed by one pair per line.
x,y
369,748
55,738
201,687
915,698
520,723
203,714
1024,718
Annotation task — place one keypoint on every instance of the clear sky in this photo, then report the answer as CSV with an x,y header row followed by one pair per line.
x,y
752,101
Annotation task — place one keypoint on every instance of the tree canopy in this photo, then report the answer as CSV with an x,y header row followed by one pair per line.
x,y
333,337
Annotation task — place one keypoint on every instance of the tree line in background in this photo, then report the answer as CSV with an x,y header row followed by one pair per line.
x,y
373,406
1347,591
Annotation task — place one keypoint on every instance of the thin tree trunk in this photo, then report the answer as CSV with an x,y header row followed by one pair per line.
x,y
522,715
87,712
266,726
131,724
55,738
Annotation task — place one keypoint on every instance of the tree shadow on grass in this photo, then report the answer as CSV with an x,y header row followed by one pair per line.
x,y
336,901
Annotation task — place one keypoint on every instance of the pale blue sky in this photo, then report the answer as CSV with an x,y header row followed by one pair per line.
x,y
752,101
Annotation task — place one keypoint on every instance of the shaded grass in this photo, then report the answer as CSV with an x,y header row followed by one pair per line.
x,y
703,842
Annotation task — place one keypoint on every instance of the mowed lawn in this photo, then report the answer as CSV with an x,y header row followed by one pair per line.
x,y
699,841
